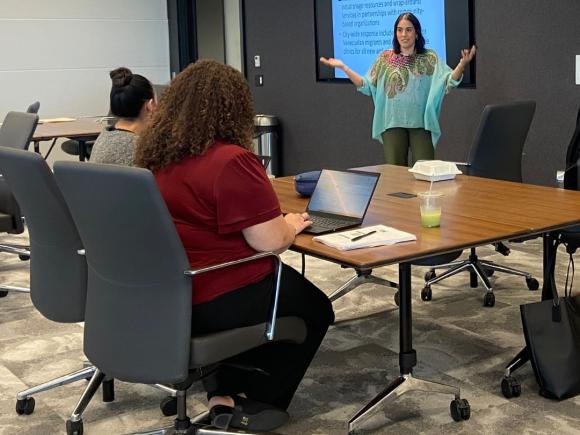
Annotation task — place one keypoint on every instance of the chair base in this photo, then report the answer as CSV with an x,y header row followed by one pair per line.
x,y
479,270
183,425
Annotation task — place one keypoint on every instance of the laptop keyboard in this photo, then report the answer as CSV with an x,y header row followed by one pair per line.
x,y
326,222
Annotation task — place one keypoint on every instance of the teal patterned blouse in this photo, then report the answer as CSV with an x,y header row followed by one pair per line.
x,y
407,91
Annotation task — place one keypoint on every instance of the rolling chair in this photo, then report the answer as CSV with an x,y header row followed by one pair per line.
x,y
16,132
58,275
138,317
34,107
496,153
570,238
72,146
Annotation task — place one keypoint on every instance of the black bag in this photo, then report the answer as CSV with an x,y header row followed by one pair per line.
x,y
552,332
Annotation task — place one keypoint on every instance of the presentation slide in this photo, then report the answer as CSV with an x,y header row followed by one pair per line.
x,y
364,28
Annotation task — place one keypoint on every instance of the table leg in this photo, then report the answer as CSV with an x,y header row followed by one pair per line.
x,y
407,360
363,276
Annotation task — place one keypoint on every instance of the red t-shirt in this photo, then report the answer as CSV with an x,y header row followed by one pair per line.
x,y
212,198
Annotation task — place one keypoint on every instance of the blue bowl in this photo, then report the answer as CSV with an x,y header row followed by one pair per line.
x,y
305,182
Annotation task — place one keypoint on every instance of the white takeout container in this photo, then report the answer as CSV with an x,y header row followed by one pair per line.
x,y
434,170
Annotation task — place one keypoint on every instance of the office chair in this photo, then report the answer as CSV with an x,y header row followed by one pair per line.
x,y
16,132
496,153
138,316
58,275
569,237
34,107
72,146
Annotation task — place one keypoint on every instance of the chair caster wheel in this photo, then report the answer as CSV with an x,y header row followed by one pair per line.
x,y
24,257
489,300
488,272
397,298
168,406
426,294
532,284
510,387
74,427
460,409
3,294
25,406
430,275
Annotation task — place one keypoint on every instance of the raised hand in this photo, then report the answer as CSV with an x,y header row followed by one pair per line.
x,y
332,62
467,55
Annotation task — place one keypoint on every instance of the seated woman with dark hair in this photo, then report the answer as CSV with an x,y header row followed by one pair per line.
x,y
132,102
198,145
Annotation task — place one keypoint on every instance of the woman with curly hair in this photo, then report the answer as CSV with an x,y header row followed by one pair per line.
x,y
407,85
198,145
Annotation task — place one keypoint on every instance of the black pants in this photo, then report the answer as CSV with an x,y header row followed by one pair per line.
x,y
285,363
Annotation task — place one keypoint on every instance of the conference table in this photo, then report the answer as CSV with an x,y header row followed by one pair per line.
x,y
82,130
476,211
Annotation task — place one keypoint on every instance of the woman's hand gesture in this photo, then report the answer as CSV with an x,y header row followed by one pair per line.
x,y
467,55
332,62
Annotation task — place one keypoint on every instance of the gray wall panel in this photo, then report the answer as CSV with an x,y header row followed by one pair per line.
x,y
526,48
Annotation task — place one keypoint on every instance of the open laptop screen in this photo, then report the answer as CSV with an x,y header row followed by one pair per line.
x,y
345,193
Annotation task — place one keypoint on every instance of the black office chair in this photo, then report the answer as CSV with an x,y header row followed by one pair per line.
x,y
496,153
34,107
16,132
138,317
72,146
569,237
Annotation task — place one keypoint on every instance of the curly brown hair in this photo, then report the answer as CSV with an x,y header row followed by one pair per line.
x,y
207,101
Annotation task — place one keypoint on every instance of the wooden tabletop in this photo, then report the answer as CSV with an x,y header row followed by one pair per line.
x,y
475,211
73,129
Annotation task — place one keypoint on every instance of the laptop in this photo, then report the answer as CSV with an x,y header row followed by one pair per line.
x,y
340,200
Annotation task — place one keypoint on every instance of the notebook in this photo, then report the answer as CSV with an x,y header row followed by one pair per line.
x,y
340,200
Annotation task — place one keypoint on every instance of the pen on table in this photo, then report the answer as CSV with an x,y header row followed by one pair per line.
x,y
354,239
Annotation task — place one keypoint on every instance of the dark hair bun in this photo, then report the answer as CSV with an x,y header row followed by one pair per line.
x,y
121,76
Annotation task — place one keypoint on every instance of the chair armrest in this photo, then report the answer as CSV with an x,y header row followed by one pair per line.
x,y
271,322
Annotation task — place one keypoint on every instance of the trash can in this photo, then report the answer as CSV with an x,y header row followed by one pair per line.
x,y
266,134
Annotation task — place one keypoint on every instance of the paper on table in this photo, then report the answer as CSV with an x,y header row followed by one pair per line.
x,y
383,235
51,120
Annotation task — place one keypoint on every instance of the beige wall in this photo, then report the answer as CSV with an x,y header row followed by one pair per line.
x,y
59,52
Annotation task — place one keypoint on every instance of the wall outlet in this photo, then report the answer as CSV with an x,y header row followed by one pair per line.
x,y
257,61
259,80
578,69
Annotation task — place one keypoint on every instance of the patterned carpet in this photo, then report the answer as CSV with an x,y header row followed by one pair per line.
x,y
458,342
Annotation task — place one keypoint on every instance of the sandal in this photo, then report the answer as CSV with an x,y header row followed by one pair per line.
x,y
248,414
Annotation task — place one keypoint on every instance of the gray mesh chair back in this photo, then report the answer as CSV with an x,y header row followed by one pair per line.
x,y
138,317
34,107
497,147
17,130
58,275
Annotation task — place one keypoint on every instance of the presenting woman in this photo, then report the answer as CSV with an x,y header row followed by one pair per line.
x,y
199,146
407,85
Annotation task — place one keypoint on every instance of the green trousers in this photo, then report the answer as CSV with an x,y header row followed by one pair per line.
x,y
397,141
